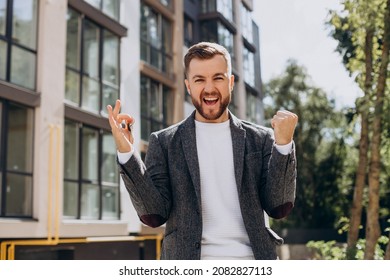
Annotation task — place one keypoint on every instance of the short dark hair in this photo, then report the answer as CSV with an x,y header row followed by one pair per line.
x,y
206,50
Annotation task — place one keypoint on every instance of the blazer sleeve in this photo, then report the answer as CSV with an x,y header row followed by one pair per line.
x,y
279,173
148,184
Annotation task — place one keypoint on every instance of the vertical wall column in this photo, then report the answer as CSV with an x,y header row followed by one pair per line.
x,y
239,90
51,86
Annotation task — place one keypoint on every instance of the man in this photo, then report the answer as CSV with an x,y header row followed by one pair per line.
x,y
210,177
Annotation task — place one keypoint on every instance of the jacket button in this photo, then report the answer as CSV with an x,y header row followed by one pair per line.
x,y
197,245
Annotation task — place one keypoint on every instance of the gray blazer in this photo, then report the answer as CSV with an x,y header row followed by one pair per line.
x,y
166,189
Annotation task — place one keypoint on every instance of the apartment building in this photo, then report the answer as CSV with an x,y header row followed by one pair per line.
x,y
61,63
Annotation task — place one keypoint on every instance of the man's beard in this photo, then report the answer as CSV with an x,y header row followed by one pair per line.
x,y
214,114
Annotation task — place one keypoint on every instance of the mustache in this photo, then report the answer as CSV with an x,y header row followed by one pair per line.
x,y
214,93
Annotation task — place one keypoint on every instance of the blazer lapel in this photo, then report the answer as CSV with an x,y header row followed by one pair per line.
x,y
188,138
238,139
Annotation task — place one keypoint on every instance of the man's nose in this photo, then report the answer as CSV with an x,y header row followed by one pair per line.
x,y
209,86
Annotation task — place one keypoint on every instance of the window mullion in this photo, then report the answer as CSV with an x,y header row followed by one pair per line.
x,y
80,170
100,165
81,73
3,158
8,35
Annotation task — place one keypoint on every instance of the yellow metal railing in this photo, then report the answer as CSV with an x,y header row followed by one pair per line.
x,y
7,248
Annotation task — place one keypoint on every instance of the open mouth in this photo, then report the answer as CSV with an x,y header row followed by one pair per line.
x,y
210,100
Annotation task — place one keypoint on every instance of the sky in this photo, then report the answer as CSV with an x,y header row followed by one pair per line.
x,y
296,29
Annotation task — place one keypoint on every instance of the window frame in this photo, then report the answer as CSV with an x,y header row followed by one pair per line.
x,y
4,170
81,182
81,72
8,89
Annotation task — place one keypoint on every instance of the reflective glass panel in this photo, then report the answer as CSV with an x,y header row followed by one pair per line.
x,y
72,86
95,3
70,199
111,8
3,16
109,169
3,59
90,154
110,201
23,66
20,139
90,202
91,93
73,40
110,95
111,58
24,22
91,49
71,150
19,195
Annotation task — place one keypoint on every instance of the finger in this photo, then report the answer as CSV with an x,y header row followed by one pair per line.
x,y
285,113
117,108
125,117
111,118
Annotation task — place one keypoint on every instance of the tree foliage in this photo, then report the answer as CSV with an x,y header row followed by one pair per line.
x,y
323,192
362,30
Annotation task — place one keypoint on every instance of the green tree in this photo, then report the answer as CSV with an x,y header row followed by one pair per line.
x,y
320,149
362,31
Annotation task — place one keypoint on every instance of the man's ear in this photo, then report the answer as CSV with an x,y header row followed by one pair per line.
x,y
232,82
187,86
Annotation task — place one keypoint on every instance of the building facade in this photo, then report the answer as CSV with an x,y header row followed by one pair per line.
x,y
61,63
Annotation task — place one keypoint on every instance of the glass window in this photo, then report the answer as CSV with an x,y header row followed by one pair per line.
x,y
73,39
19,195
95,3
225,7
24,23
3,16
109,170
156,107
226,39
111,58
20,139
215,31
91,49
70,198
16,171
91,179
110,69
246,22
253,107
23,67
188,32
90,154
91,93
71,146
3,59
92,83
90,202
72,86
249,67
156,40
18,40
166,3
110,199
109,7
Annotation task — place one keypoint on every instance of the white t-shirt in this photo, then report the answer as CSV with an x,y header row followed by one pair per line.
x,y
224,235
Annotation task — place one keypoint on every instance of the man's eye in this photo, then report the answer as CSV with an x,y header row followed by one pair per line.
x,y
198,80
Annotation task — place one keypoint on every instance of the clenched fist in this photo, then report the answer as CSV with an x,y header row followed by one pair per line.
x,y
284,123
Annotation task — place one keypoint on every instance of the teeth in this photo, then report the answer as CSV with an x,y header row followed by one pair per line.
x,y
210,99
